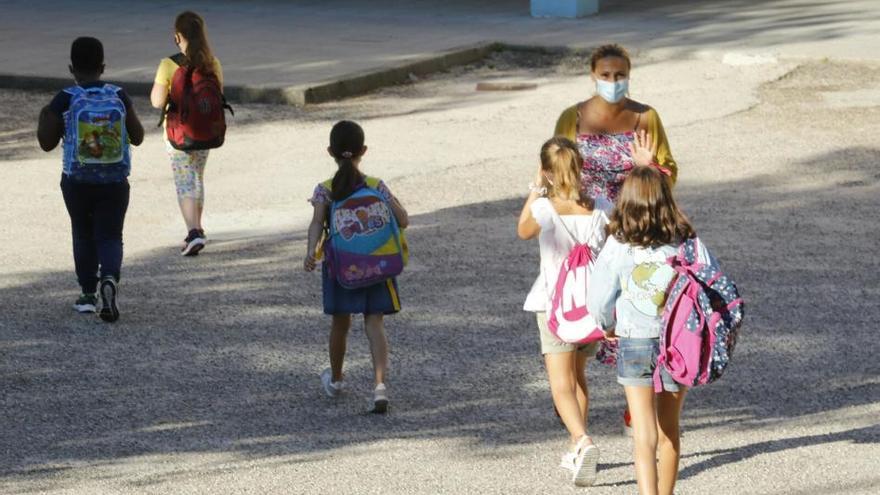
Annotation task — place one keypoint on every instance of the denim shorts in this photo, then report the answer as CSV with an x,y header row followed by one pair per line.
x,y
636,361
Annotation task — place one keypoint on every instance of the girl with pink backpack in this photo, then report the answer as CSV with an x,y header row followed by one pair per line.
x,y
627,294
563,220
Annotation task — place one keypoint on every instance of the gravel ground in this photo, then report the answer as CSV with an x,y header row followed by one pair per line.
x,y
208,383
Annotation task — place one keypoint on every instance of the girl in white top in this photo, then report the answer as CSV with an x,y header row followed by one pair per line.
x,y
554,212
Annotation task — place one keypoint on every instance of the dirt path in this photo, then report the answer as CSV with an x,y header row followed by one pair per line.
x,y
208,384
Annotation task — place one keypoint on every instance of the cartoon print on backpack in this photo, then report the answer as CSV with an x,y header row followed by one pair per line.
x,y
364,220
99,125
96,130
365,245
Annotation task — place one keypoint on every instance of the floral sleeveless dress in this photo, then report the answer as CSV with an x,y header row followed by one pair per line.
x,y
607,162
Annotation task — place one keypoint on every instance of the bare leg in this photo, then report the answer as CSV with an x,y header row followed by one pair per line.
x,y
583,393
192,213
563,387
669,406
373,325
644,423
338,340
200,207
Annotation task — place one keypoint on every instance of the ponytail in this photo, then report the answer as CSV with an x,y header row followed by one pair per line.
x,y
561,158
346,145
345,180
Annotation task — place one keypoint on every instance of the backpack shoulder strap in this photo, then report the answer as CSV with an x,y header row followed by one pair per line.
x,y
178,58
688,251
372,182
74,90
567,230
560,221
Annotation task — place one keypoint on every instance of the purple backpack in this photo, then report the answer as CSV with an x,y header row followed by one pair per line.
x,y
701,320
365,246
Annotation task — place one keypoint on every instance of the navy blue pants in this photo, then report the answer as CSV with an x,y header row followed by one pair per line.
x,y
97,212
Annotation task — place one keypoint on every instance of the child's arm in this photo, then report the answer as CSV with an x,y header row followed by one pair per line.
x,y
528,227
400,213
50,129
604,285
133,125
397,208
315,229
159,95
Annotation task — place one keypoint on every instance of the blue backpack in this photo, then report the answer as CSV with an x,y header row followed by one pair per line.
x,y
95,139
365,245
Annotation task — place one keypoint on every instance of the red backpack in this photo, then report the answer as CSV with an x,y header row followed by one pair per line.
x,y
195,110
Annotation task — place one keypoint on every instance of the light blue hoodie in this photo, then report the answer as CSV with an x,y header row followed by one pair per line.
x,y
634,281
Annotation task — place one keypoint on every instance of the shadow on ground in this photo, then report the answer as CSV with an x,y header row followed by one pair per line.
x,y
220,353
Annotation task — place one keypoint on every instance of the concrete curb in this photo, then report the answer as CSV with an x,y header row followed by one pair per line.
x,y
321,92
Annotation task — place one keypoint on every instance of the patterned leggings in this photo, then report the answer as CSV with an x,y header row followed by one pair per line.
x,y
189,172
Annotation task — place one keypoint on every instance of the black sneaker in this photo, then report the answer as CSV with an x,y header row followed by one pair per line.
x,y
109,310
193,243
86,303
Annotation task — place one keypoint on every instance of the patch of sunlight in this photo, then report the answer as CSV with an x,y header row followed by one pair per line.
x,y
172,426
860,98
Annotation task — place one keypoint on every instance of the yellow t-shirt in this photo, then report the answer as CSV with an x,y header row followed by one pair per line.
x,y
168,67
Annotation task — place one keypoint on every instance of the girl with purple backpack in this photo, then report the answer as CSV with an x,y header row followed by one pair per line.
x,y
558,214
627,294
374,301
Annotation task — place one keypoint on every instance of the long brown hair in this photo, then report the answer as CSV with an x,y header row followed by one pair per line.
x,y
560,157
198,52
646,213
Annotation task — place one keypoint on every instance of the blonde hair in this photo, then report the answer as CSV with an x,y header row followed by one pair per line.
x,y
560,157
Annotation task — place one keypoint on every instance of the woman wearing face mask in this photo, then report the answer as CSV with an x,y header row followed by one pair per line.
x,y
614,134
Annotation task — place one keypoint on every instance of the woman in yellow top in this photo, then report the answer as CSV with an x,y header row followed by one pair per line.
x,y
614,133
189,166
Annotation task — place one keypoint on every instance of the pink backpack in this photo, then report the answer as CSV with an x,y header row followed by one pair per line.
x,y
569,319
701,320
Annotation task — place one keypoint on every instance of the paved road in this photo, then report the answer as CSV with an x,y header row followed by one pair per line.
x,y
208,384
287,43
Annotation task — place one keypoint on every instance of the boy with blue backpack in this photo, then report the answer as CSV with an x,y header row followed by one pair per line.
x,y
363,251
96,122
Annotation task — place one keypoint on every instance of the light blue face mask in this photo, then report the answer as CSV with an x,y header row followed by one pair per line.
x,y
612,92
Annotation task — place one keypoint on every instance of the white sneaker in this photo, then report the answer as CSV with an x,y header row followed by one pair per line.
x,y
585,463
331,388
380,399
568,460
